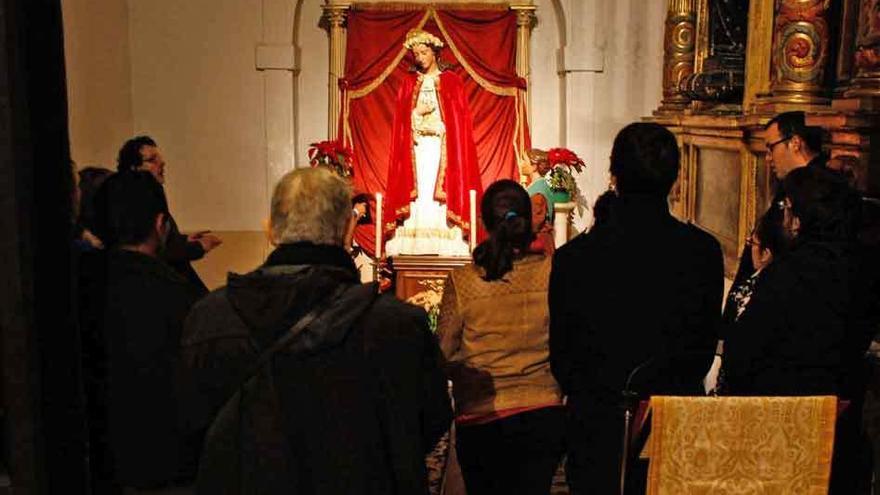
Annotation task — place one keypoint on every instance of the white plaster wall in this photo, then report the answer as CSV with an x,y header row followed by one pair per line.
x,y
98,68
312,82
186,73
196,91
613,70
545,88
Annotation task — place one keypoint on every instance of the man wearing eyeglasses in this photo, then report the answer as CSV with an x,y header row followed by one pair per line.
x,y
791,144
142,153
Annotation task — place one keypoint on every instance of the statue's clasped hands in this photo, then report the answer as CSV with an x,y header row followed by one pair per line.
x,y
424,108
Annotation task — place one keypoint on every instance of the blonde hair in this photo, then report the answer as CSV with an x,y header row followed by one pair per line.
x,y
419,37
310,204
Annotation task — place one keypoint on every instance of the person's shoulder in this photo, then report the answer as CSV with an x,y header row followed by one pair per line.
x,y
211,317
698,237
466,272
391,323
577,247
213,300
533,262
129,267
388,309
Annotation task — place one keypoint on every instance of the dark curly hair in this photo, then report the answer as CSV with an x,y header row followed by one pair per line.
x,y
507,215
129,157
770,233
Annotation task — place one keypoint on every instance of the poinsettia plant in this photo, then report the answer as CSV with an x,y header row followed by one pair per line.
x,y
332,154
563,162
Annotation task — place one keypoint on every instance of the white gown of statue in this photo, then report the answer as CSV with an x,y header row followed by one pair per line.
x,y
426,231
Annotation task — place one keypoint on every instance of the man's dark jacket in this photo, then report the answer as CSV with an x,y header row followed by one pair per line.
x,y
361,394
136,306
640,287
179,253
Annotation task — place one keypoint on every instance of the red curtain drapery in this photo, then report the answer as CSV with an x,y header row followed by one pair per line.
x,y
480,47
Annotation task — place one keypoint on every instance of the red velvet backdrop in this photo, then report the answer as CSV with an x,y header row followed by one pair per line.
x,y
480,45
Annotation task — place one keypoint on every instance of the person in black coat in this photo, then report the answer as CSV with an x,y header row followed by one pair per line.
x,y
790,144
356,400
135,305
806,325
639,293
179,250
810,320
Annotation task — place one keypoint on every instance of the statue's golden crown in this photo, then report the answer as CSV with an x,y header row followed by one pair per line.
x,y
418,37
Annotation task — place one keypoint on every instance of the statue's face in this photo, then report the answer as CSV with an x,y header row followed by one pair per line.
x,y
424,56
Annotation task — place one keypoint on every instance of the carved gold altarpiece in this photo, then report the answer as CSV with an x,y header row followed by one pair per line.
x,y
729,66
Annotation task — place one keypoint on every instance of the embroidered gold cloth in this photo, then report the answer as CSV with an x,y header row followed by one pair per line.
x,y
741,445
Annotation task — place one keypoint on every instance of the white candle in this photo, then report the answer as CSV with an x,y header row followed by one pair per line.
x,y
378,226
473,234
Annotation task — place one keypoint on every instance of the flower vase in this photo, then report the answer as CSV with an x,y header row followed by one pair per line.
x,y
559,196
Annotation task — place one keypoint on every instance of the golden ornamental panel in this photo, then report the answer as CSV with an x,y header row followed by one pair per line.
x,y
801,47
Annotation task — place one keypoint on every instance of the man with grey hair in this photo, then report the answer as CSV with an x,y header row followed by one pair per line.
x,y
340,388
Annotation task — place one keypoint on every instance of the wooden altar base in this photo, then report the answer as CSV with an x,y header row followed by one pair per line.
x,y
417,275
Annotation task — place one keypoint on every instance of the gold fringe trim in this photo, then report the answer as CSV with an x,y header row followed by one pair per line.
x,y
412,152
432,13
360,93
409,7
456,220
498,90
439,193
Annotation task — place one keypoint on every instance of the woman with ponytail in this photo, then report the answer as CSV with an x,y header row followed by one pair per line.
x,y
494,334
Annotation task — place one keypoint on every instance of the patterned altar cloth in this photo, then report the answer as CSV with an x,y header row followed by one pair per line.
x,y
741,445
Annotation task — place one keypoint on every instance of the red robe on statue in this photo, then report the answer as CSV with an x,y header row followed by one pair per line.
x,y
458,172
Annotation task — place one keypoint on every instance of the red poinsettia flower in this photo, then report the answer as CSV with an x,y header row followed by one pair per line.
x,y
332,154
566,157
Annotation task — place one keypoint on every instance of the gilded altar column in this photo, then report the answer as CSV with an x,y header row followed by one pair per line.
x,y
801,52
334,21
866,82
525,21
678,52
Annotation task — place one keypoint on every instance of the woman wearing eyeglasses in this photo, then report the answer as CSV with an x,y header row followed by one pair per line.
x,y
768,241
800,330
808,323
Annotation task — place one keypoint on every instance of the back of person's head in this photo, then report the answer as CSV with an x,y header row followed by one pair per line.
x,y
90,179
603,208
311,205
644,159
130,157
770,233
793,124
539,160
126,207
826,207
507,216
